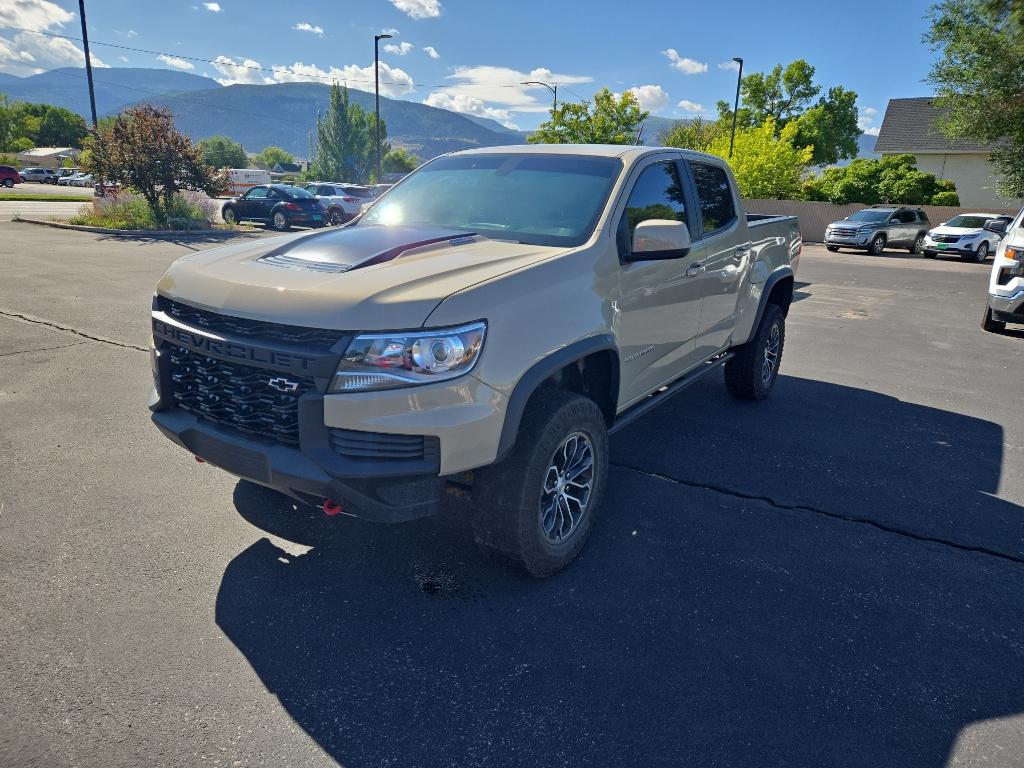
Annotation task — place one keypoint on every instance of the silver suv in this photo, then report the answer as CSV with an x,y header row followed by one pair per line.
x,y
878,227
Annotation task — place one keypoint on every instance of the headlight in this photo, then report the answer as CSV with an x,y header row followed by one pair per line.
x,y
377,361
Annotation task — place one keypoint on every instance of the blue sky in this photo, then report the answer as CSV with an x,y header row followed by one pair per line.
x,y
471,56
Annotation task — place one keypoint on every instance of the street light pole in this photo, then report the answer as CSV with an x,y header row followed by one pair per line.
x,y
376,93
736,105
553,88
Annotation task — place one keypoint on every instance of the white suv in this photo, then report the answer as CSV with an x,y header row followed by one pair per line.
x,y
1006,284
965,235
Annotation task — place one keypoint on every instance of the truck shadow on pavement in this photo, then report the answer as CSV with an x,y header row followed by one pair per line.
x,y
700,626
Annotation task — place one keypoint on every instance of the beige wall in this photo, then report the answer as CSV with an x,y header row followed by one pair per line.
x,y
973,174
814,217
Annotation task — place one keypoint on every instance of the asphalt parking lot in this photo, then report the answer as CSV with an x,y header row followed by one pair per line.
x,y
832,577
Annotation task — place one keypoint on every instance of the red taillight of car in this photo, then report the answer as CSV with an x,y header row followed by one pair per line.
x,y
348,199
293,207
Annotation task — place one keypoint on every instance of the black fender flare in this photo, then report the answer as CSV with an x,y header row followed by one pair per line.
x,y
538,373
779,274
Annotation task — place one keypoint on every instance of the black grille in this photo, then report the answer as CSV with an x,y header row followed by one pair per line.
x,y
353,444
238,395
240,327
844,232
946,238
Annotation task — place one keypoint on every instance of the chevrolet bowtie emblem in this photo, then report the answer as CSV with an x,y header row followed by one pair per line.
x,y
283,385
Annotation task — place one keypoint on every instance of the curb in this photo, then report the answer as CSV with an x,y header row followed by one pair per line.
x,y
153,233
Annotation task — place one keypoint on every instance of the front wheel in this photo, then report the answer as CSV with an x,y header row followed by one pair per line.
x,y
335,217
229,216
877,245
751,373
538,505
982,253
990,324
279,221
832,248
8,183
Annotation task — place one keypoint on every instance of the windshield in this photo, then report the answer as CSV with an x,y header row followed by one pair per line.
x,y
968,222
534,199
869,215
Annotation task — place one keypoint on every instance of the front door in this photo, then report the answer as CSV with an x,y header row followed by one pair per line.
x,y
252,202
659,302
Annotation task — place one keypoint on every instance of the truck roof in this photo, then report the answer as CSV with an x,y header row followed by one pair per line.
x,y
591,150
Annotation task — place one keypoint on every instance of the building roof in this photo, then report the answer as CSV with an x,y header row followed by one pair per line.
x,y
287,168
47,151
911,125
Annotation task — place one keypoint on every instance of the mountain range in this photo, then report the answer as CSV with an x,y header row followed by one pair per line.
x,y
282,114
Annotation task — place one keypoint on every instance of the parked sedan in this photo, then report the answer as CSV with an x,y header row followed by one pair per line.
x,y
82,180
970,235
280,206
69,181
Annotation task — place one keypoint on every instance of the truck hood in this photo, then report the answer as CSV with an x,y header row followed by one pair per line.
x,y
352,278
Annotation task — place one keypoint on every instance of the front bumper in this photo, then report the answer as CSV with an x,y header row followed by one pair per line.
x,y
961,249
1007,309
851,241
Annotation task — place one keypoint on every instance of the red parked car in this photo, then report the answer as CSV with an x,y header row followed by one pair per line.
x,y
9,177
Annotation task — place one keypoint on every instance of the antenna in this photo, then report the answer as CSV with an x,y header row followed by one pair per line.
x,y
639,133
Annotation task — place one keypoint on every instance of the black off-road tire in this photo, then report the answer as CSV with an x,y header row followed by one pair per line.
x,y
746,374
508,496
990,324
832,248
877,245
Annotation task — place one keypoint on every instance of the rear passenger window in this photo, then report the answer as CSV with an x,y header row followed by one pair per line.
x,y
657,194
716,207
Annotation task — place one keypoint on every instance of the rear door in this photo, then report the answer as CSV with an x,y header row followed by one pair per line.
x,y
659,302
903,228
723,252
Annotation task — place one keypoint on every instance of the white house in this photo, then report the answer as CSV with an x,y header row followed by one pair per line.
x,y
47,157
910,127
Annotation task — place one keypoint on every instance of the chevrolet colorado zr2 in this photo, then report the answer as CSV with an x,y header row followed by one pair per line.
x,y
487,321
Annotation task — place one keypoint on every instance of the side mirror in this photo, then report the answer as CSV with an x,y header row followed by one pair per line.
x,y
996,225
660,239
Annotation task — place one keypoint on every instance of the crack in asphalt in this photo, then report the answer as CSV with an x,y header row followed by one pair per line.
x,y
68,329
825,513
41,349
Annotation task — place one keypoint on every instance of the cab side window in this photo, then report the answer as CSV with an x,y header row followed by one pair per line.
x,y
716,206
657,194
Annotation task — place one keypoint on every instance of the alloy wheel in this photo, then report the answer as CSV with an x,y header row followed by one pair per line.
x,y
568,484
771,355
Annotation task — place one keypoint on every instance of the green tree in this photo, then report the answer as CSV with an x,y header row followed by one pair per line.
x,y
345,149
612,120
144,151
7,124
271,156
696,134
978,76
766,166
222,152
399,161
61,127
893,179
786,95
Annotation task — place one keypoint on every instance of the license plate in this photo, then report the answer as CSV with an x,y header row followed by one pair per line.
x,y
941,246
317,217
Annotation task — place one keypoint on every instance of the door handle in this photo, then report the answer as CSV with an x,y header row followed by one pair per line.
x,y
694,269
741,250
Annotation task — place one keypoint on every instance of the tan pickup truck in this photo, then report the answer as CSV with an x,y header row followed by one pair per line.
x,y
487,322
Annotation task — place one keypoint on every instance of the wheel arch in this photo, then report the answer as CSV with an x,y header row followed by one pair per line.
x,y
589,367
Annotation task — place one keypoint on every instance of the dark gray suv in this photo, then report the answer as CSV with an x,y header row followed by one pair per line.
x,y
879,227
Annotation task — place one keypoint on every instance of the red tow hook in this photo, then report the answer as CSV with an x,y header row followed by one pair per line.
x,y
331,507
200,461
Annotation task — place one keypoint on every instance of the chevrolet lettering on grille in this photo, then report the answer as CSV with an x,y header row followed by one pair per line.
x,y
229,349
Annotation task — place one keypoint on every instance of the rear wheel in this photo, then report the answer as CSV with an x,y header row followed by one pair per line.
x,y
279,221
538,505
751,373
918,245
877,245
990,324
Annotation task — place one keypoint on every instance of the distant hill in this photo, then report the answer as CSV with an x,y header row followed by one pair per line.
x,y
285,115
492,125
115,87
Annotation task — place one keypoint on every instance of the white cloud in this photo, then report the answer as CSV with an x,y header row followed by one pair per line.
x,y
866,121
431,51
730,65
212,7
304,26
233,72
400,49
419,9
28,52
690,106
126,33
650,97
175,63
500,86
683,64
394,82
390,31
469,105
123,59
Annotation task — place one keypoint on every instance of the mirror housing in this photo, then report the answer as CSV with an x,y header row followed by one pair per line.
x,y
660,239
996,225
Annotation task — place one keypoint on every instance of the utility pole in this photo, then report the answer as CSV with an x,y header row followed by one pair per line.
x,y
376,93
88,76
736,106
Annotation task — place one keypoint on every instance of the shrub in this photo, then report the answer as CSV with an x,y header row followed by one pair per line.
x,y
185,211
946,197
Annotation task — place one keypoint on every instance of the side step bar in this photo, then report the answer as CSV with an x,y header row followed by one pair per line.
x,y
633,413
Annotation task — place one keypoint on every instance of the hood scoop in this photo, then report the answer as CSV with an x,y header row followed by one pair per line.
x,y
340,250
